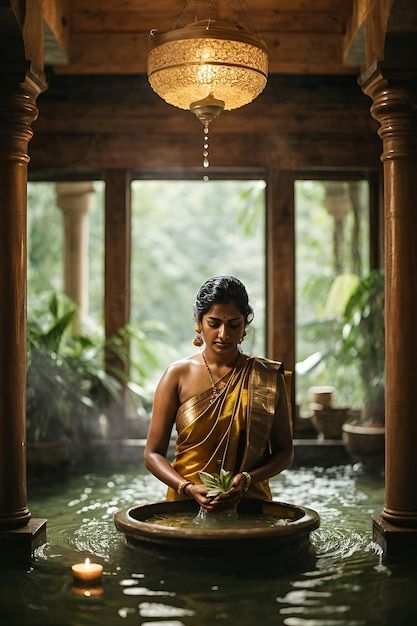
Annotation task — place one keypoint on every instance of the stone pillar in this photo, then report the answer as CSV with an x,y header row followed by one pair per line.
x,y
394,96
17,112
74,200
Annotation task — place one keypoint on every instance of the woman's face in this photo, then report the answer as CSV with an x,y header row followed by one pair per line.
x,y
222,328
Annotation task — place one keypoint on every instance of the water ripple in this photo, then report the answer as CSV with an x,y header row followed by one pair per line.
x,y
140,588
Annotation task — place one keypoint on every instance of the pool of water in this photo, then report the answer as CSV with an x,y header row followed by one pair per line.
x,y
345,584
225,520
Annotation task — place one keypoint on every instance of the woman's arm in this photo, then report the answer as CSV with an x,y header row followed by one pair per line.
x,y
164,410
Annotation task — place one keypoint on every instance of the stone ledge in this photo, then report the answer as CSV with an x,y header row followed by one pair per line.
x,y
19,544
322,452
326,452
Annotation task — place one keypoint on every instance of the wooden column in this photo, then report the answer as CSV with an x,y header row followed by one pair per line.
x,y
394,96
117,270
74,200
17,112
280,269
280,250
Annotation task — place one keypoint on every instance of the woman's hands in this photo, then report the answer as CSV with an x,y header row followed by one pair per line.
x,y
223,501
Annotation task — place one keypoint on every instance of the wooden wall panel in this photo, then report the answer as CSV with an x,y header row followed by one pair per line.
x,y
126,53
90,124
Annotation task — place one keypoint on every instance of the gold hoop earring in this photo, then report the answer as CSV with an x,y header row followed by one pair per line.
x,y
198,340
243,336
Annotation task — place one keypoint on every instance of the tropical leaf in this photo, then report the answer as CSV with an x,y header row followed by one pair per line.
x,y
53,337
339,294
217,483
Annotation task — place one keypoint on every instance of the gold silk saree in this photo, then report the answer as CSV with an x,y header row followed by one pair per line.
x,y
233,431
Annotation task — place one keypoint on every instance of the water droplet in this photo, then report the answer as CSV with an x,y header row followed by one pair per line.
x,y
206,162
205,146
205,153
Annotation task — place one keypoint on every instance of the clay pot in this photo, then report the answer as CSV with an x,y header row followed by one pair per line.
x,y
328,421
364,440
322,395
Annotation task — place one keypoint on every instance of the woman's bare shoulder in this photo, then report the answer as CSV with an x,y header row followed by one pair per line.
x,y
182,367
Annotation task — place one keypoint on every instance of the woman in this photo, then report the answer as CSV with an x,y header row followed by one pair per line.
x,y
230,409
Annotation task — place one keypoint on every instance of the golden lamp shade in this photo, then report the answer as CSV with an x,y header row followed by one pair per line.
x,y
207,59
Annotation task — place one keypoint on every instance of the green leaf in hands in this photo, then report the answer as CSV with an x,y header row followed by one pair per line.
x,y
216,483
226,479
213,493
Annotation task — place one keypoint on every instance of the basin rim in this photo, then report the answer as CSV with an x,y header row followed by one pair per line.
x,y
126,523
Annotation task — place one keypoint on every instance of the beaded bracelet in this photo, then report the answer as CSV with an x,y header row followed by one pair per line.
x,y
182,485
248,478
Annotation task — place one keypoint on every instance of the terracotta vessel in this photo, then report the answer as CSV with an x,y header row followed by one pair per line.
x,y
221,542
361,440
328,421
322,394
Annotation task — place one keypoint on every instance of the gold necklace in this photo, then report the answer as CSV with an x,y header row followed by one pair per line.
x,y
216,391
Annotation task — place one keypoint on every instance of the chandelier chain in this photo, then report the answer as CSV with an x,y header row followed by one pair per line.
x,y
184,7
213,10
241,11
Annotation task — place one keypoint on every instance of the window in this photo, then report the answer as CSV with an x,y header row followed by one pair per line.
x,y
184,232
332,254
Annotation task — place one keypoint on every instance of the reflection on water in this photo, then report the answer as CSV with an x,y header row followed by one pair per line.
x,y
345,584
198,522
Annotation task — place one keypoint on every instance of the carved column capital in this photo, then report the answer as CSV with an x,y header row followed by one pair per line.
x,y
394,97
17,113
74,197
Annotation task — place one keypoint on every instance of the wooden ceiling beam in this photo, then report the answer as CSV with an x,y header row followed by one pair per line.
x,y
354,40
74,118
173,7
139,152
89,123
56,30
119,104
125,53
90,21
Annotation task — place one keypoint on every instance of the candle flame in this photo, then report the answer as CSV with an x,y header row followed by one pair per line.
x,y
87,562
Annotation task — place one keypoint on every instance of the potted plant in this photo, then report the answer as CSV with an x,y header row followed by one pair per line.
x,y
47,414
363,341
67,385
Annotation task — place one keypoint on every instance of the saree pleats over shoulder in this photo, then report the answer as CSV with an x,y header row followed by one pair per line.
x,y
233,431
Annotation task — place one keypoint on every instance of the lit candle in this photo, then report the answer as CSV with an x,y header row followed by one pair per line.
x,y
87,573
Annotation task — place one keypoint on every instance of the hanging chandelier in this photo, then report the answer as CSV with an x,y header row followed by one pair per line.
x,y
207,67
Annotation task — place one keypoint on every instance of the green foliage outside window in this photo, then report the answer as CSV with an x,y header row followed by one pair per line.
x,y
332,255
184,232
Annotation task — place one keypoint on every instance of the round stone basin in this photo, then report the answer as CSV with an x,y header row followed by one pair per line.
x,y
287,527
